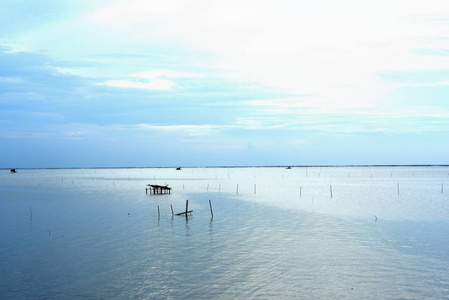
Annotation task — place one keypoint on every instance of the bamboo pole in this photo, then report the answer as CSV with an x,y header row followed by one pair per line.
x,y
211,212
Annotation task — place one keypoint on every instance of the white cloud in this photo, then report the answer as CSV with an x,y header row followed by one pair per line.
x,y
154,74
329,49
437,83
195,130
157,84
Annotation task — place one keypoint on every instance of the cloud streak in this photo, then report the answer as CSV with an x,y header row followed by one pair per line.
x,y
156,80
157,84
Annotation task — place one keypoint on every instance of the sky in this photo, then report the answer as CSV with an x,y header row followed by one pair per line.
x,y
143,83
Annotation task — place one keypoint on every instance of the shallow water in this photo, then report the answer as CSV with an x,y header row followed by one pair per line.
x,y
276,233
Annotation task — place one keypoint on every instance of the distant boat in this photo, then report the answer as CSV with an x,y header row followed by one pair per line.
x,y
13,171
178,169
288,168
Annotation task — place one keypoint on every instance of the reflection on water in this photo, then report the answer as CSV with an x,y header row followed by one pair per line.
x,y
95,233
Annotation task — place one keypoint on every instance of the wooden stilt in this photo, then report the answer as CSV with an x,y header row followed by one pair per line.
x,y
211,212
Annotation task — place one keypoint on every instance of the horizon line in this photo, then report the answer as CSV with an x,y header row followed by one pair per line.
x,y
267,166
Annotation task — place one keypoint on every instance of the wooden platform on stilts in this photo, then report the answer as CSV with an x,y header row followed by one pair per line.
x,y
158,189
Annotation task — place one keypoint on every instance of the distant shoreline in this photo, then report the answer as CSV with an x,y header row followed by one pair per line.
x,y
228,167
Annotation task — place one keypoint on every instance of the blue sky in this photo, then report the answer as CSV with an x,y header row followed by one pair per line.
x,y
223,83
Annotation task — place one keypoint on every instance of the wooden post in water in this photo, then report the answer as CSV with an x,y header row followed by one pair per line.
x,y
300,191
208,187
171,206
31,214
254,189
211,212
187,207
158,213
441,188
398,188
237,191
331,190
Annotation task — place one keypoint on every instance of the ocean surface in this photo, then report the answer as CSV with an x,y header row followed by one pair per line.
x,y
276,233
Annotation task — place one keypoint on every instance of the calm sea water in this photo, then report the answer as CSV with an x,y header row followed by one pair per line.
x,y
304,233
